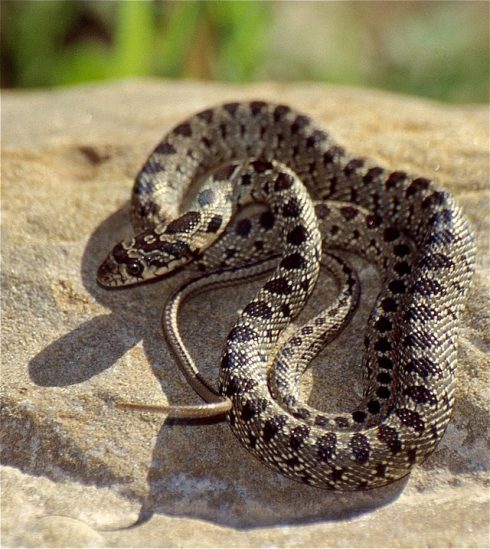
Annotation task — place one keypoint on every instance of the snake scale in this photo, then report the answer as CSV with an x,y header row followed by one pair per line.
x,y
315,198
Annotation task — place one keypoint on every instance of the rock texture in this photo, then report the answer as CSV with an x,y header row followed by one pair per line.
x,y
77,471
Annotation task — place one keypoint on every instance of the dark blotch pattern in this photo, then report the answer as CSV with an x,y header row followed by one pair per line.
x,y
176,249
348,213
352,166
436,261
293,463
165,148
401,250
332,154
258,309
359,416
291,208
283,182
397,287
214,224
390,437
298,436
183,129
206,197
207,115
299,123
384,377
267,220
242,334
231,108
383,324
321,210
297,236
389,305
437,198
417,186
272,426
424,367
337,474
395,179
321,420
428,287
243,227
184,223
421,340
373,221
278,286
280,112
234,360
412,455
373,407
237,385
253,407
390,234
411,418
380,470
256,107
301,413
383,345
293,261
261,166
402,268
421,395
372,175
383,392
326,446
361,448
315,138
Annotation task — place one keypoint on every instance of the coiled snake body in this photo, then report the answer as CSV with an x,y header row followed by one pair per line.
x,y
312,190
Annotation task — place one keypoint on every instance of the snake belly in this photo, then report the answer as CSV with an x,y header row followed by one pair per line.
x,y
410,353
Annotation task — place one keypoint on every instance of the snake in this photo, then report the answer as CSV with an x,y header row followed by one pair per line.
x,y
315,197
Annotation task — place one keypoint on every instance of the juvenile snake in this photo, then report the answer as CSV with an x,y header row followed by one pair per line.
x,y
411,229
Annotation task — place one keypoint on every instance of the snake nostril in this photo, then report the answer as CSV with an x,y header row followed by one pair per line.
x,y
106,271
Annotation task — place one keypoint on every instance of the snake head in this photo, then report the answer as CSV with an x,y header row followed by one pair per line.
x,y
143,258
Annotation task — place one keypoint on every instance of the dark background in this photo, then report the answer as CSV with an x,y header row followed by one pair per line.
x,y
429,48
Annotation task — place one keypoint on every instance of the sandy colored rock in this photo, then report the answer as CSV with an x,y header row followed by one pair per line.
x,y
77,470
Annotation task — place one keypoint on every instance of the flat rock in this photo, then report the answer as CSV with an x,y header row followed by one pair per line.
x,y
78,471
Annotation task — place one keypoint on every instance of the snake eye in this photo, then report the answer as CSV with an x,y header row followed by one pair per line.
x,y
134,268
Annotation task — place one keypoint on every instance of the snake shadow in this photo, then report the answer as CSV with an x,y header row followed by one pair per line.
x,y
225,485
217,480
97,344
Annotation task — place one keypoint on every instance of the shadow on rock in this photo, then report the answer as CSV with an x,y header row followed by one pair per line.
x,y
64,362
224,484
97,344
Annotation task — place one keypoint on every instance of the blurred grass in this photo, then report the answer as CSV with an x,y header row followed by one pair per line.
x,y
433,49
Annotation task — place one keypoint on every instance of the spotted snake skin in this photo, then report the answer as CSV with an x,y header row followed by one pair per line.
x,y
313,191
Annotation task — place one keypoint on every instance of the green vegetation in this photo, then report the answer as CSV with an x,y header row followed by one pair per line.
x,y
434,49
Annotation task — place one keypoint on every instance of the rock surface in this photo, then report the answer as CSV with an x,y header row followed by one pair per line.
x,y
79,472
